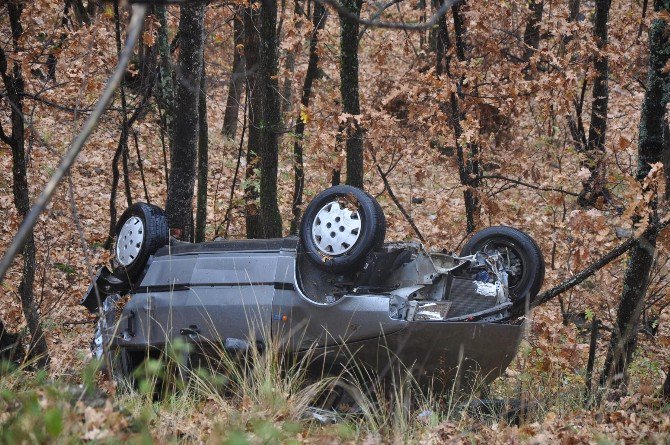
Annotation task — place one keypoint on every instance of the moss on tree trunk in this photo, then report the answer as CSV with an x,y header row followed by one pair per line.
x,y
650,151
179,205
271,121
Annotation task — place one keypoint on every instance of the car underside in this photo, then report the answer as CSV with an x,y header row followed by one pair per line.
x,y
396,308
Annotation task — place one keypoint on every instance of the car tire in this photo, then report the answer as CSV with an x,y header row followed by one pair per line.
x,y
341,225
381,232
526,283
140,232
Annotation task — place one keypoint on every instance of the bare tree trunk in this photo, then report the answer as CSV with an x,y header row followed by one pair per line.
x,y
594,186
287,88
270,216
15,87
573,7
203,142
349,92
666,385
179,205
148,61
318,21
166,90
650,151
442,42
236,83
254,95
468,164
531,36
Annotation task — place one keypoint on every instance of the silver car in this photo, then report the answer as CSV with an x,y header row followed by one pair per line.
x,y
336,290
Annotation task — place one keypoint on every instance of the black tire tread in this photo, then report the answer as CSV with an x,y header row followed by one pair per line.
x,y
157,235
374,229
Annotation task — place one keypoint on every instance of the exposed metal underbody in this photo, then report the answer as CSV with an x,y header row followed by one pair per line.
x,y
403,309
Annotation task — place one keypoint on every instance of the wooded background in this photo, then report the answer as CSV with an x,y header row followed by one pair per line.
x,y
549,116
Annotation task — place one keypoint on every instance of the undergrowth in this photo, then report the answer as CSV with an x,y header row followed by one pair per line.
x,y
264,396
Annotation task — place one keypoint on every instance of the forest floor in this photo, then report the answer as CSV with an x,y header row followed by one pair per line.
x,y
72,402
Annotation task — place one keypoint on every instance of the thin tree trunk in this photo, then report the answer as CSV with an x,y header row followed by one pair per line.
x,y
126,174
15,88
254,95
80,13
179,205
442,42
287,88
140,166
203,142
531,36
270,216
666,385
594,186
121,153
573,8
233,186
166,90
467,168
650,151
147,64
318,21
236,83
349,92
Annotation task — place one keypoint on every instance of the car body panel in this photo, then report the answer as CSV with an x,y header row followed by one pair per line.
x,y
436,352
248,290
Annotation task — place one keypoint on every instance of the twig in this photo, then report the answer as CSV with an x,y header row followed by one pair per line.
x,y
398,204
76,322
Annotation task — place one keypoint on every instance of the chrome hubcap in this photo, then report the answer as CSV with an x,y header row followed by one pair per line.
x,y
336,229
129,241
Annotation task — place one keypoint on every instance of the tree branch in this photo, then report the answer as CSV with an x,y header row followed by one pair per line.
x,y
398,204
525,184
376,16
376,23
594,267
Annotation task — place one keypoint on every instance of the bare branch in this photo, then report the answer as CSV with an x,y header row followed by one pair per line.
x,y
398,204
376,23
376,16
594,267
525,184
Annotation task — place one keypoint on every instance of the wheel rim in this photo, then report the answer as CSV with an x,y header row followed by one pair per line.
x,y
336,229
129,241
511,259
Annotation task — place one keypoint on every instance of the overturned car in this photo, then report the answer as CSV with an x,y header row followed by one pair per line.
x,y
337,289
